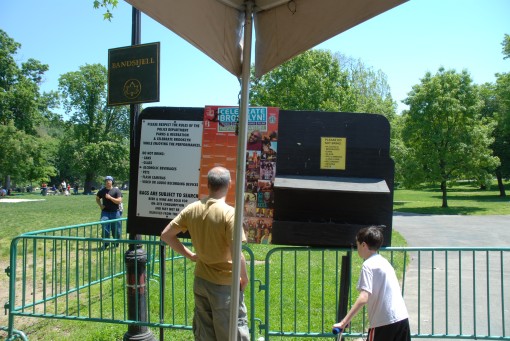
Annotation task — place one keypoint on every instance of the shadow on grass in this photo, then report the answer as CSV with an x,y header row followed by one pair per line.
x,y
478,198
464,187
472,190
454,190
457,210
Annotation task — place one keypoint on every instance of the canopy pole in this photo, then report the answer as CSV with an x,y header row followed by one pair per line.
x,y
241,168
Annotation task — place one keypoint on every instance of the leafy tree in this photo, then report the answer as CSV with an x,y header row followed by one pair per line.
x,y
13,152
25,157
319,80
8,66
368,90
506,46
23,111
20,97
398,150
106,4
496,99
502,135
311,81
494,108
502,90
445,136
42,158
100,134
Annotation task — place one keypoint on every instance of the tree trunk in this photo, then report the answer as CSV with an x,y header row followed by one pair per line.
x,y
501,186
445,199
87,187
7,183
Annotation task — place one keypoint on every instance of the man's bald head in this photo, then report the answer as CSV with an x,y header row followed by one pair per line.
x,y
218,179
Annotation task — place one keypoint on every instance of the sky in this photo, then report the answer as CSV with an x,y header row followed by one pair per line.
x,y
405,42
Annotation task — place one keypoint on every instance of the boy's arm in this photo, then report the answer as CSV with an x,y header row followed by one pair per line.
x,y
356,307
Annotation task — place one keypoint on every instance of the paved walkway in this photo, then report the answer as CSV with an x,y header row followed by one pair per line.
x,y
448,231
451,230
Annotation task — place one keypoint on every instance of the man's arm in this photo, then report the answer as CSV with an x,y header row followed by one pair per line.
x,y
356,307
117,200
169,236
244,274
112,199
98,202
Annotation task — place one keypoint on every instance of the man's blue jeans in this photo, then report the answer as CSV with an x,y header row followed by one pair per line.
x,y
115,228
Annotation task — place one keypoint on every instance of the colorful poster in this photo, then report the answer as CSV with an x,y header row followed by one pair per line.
x,y
219,148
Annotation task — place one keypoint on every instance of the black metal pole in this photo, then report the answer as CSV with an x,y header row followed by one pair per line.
x,y
136,260
345,283
162,266
136,256
136,37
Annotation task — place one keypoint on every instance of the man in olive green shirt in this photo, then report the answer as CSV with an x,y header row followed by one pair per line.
x,y
210,223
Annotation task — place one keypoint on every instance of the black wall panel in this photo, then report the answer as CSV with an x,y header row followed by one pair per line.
x,y
331,217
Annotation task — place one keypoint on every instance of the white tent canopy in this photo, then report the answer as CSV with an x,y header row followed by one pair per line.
x,y
283,28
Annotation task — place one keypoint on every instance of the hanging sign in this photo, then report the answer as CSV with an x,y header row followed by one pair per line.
x,y
133,74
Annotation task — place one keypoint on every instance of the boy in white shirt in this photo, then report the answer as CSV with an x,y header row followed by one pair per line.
x,y
378,288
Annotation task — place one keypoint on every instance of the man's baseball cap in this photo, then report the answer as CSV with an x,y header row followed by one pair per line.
x,y
108,178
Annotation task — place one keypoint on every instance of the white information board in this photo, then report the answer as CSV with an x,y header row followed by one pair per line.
x,y
169,167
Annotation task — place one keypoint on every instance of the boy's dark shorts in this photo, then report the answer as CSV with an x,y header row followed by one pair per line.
x,y
398,331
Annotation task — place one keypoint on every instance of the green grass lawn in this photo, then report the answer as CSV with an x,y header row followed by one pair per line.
x,y
463,199
50,212
57,211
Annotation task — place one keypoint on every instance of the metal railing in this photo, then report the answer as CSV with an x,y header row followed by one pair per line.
x,y
294,292
450,293
458,292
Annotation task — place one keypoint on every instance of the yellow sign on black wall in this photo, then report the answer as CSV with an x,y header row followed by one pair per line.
x,y
333,150
133,74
